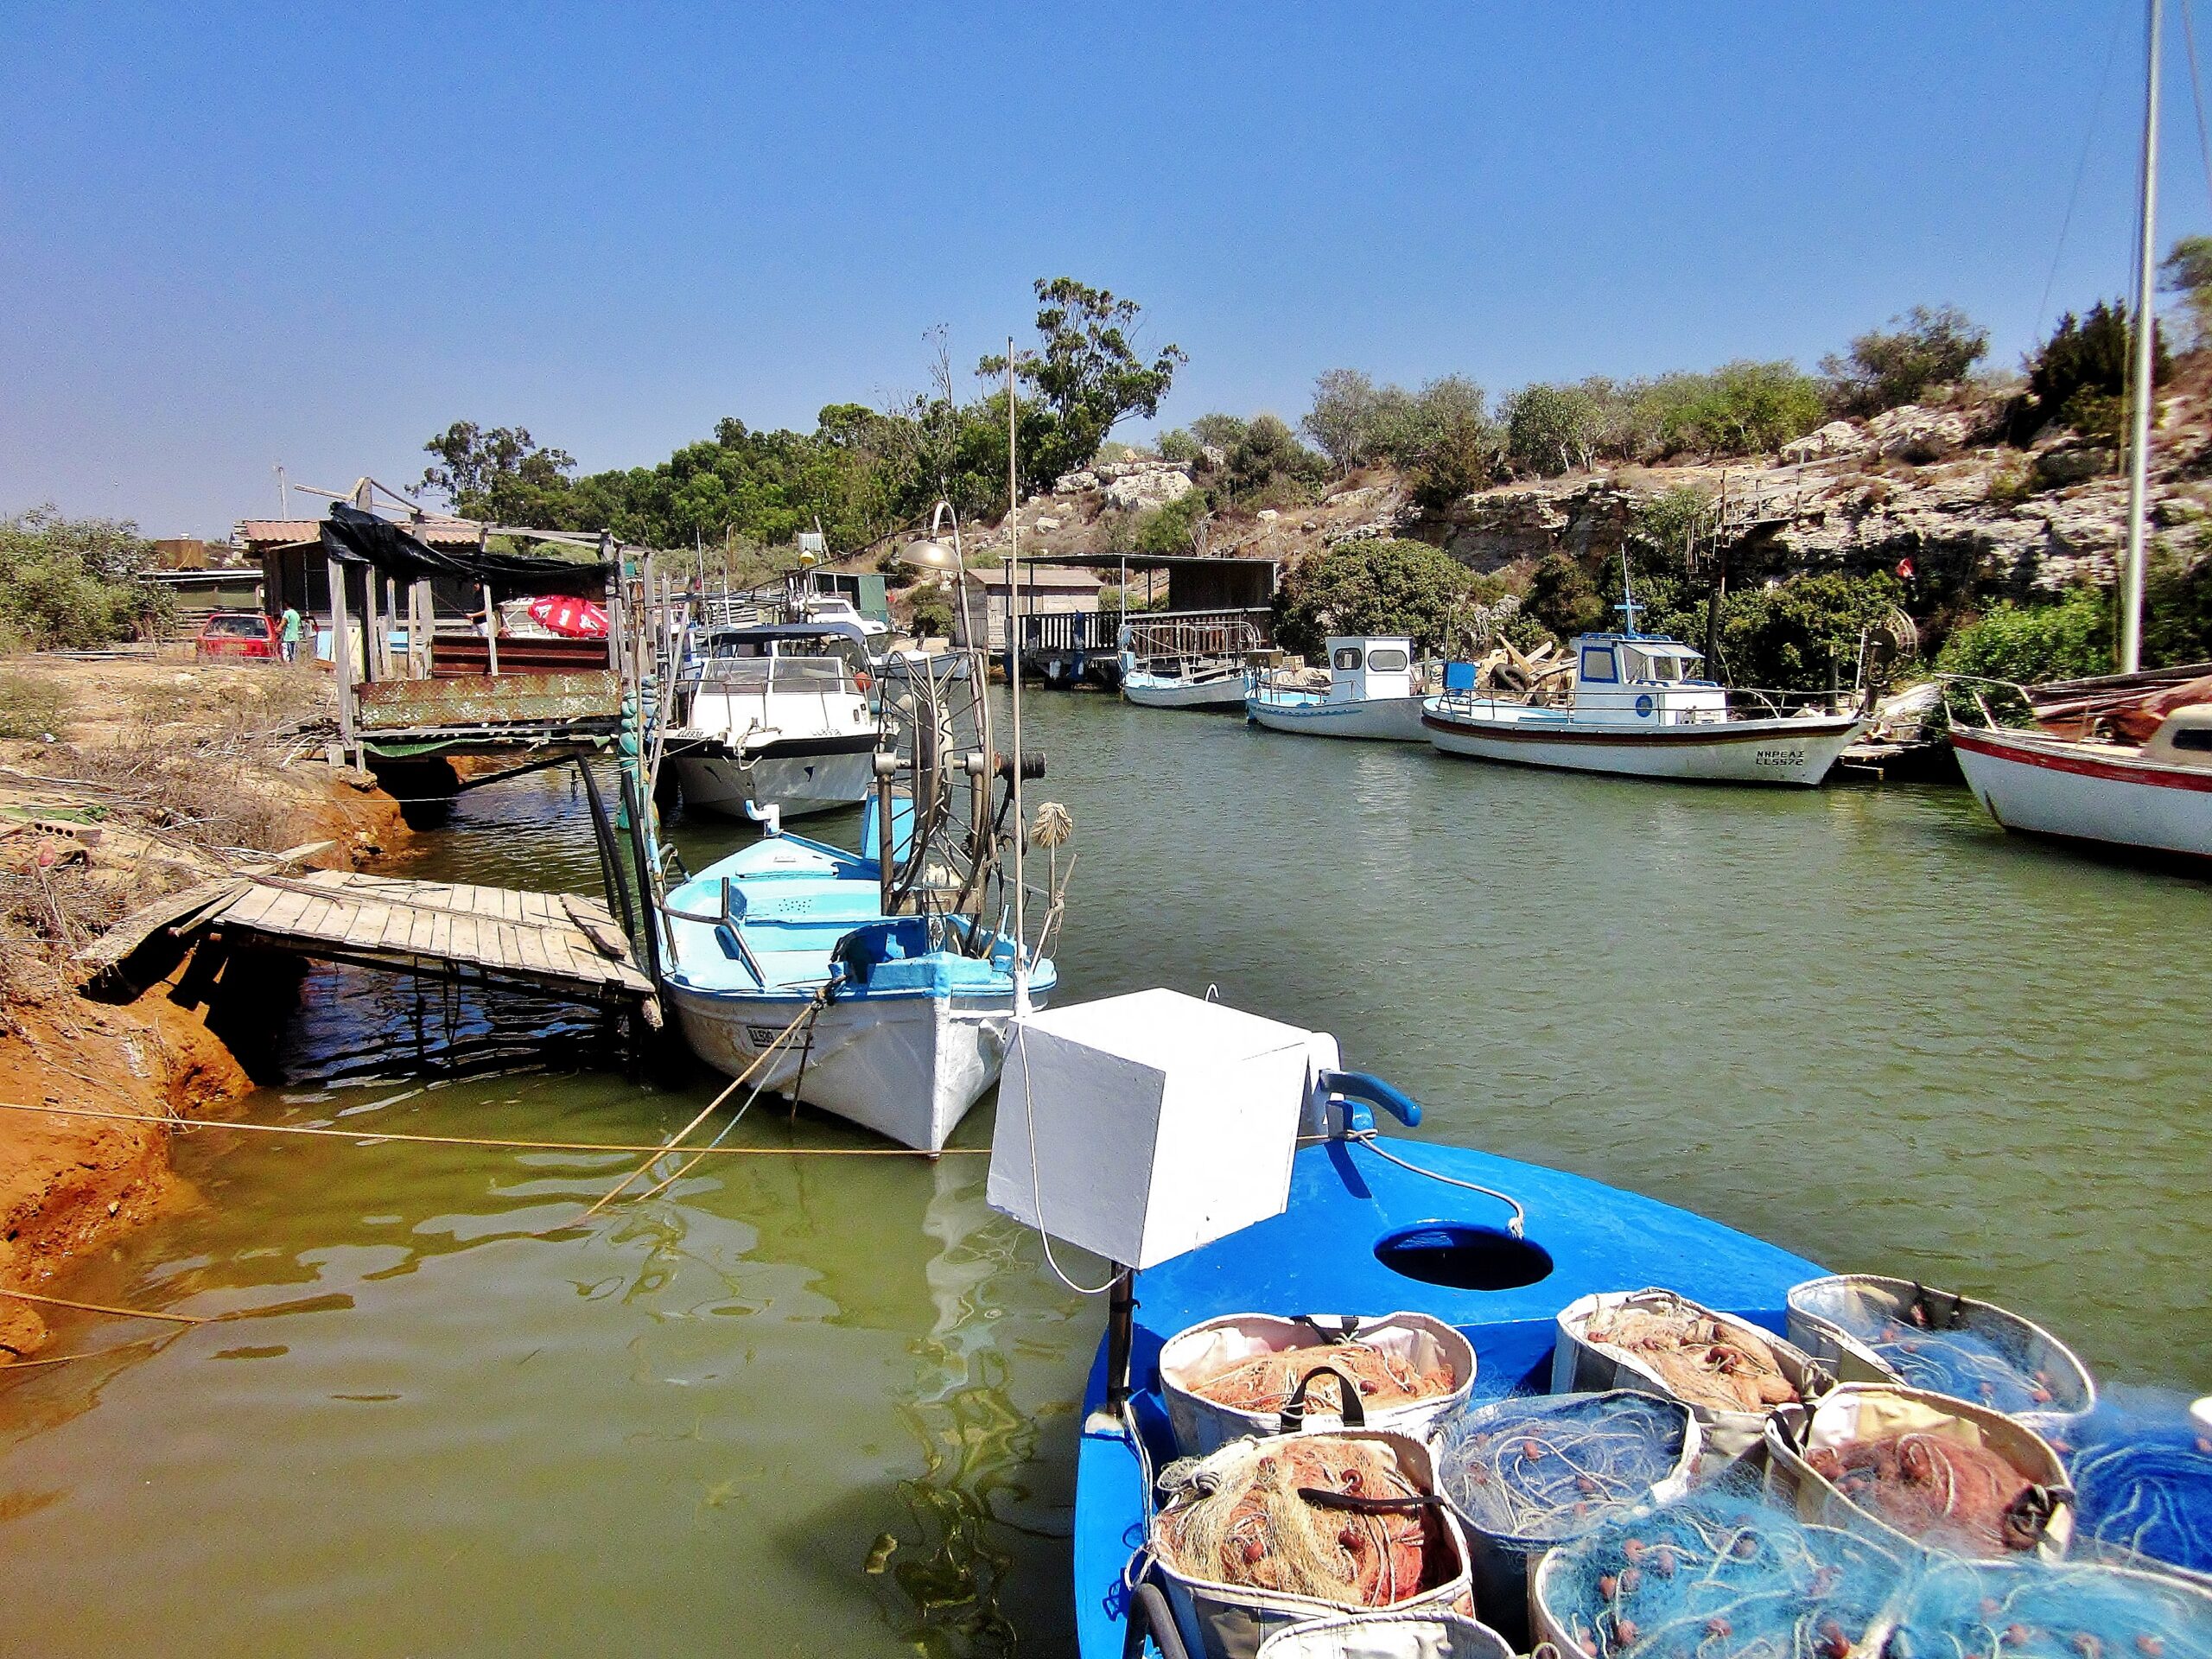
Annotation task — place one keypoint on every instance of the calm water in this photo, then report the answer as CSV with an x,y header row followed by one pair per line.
x,y
825,1405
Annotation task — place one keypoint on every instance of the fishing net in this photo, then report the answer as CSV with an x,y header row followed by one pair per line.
x,y
2143,1487
1328,1517
1949,1493
1550,1466
1936,1341
1963,1610
1719,1367
1712,1576
1267,1383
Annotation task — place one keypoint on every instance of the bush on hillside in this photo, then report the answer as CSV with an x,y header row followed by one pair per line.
x,y
1552,430
2177,605
2078,378
1177,527
1268,466
1890,368
1367,588
2068,639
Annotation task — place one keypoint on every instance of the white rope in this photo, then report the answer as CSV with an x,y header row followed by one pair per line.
x,y
1367,1138
1036,1196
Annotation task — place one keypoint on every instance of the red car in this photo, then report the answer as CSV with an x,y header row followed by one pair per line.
x,y
238,633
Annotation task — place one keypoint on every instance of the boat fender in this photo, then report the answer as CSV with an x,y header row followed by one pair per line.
x,y
1293,1409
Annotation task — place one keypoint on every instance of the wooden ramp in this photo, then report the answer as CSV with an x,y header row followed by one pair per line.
x,y
548,941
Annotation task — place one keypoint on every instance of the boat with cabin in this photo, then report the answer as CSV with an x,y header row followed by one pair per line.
x,y
1639,707
1369,692
879,985
774,715
1184,665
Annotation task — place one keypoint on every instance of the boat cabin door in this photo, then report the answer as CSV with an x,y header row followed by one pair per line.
x,y
1360,669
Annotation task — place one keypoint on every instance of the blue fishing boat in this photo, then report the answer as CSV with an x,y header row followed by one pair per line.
x,y
1493,1247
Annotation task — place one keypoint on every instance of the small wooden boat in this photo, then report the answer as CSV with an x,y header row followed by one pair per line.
x,y
1370,694
1639,709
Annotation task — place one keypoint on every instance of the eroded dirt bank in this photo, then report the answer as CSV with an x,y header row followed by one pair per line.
x,y
141,776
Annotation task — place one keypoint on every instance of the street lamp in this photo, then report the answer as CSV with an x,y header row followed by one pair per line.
x,y
936,555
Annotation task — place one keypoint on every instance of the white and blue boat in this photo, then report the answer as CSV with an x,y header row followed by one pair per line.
x,y
878,987
1370,694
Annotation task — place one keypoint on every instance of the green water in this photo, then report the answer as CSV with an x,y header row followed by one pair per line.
x,y
1861,1022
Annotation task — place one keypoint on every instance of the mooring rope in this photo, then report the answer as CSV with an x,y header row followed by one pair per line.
x,y
493,1143
101,1307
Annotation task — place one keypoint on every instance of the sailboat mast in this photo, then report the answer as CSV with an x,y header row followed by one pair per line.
x,y
1014,678
2138,455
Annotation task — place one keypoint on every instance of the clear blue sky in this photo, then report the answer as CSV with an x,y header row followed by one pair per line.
x,y
230,237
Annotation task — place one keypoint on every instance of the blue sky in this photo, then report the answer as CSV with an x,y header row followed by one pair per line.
x,y
232,237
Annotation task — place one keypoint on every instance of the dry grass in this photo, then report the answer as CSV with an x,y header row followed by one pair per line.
x,y
31,708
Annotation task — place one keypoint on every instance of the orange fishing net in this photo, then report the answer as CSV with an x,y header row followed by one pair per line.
x,y
1702,1362
1267,1381
1257,1527
1963,1497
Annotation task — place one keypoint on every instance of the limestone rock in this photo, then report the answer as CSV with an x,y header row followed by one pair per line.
x,y
1836,439
1075,483
1135,486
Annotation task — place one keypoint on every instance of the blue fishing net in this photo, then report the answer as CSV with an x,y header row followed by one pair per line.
x,y
1964,1364
2143,1486
1716,1576
1542,1467
1964,1610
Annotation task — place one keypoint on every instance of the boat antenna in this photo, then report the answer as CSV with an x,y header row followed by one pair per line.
x,y
2138,460
1628,608
1013,679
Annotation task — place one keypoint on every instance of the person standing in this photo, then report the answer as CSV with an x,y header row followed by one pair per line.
x,y
292,630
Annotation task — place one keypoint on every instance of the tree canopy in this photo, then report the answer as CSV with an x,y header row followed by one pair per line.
x,y
1087,373
72,584
1890,368
1367,588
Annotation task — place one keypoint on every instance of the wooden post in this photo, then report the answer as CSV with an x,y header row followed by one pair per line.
x,y
341,658
422,627
371,663
491,628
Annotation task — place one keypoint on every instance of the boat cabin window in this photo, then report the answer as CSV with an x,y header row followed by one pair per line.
x,y
1387,659
1650,665
2196,739
1597,663
1346,661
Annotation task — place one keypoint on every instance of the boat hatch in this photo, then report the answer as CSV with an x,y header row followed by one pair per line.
x,y
1463,1256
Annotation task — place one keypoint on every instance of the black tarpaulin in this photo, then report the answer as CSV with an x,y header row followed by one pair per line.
x,y
352,536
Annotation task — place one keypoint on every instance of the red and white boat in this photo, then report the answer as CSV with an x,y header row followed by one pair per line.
x,y
2151,797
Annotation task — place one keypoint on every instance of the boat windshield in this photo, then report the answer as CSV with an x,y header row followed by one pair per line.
x,y
1663,666
799,674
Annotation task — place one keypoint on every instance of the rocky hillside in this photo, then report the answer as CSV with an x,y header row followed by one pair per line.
x,y
1933,486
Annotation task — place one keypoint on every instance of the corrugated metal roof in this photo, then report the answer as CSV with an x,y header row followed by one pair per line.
x,y
281,532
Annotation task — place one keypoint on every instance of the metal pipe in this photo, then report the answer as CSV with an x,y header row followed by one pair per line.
x,y
1013,679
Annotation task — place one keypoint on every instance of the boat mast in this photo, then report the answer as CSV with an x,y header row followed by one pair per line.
x,y
2138,459
1013,680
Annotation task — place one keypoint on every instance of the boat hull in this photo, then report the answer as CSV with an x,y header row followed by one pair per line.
x,y
2050,786
796,783
1383,719
908,1067
1149,693
1799,752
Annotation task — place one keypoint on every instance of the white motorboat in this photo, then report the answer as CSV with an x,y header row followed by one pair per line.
x,y
1370,693
774,715
2154,797
1180,664
1639,710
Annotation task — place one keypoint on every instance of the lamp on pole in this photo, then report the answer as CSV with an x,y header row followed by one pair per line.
x,y
934,555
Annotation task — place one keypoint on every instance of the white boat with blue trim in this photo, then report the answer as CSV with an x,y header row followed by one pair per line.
x,y
1184,665
1640,708
775,716
1371,694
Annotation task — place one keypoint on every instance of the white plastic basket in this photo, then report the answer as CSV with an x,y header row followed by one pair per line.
x,y
1387,1635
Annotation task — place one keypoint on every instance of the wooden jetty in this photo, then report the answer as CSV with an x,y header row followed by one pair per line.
x,y
552,941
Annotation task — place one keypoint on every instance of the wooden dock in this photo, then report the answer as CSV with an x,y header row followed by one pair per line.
x,y
553,942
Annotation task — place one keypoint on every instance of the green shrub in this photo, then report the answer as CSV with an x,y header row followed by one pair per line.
x,y
1888,370
1800,635
1743,407
31,708
932,614
2079,376
2069,639
1176,444
1268,466
1563,597
1367,588
72,584
1552,430
2177,605
1172,529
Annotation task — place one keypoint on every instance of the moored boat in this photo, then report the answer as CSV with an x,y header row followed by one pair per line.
x,y
1639,709
1370,694
774,715
1185,664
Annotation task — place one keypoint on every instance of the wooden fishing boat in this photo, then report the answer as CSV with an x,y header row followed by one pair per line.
x,y
1182,665
1639,709
1370,694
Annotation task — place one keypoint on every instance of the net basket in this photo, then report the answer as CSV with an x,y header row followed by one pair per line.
x,y
1998,1610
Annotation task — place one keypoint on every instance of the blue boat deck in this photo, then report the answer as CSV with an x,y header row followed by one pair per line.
x,y
1351,1216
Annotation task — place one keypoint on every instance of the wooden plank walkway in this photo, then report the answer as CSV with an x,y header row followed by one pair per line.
x,y
551,941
